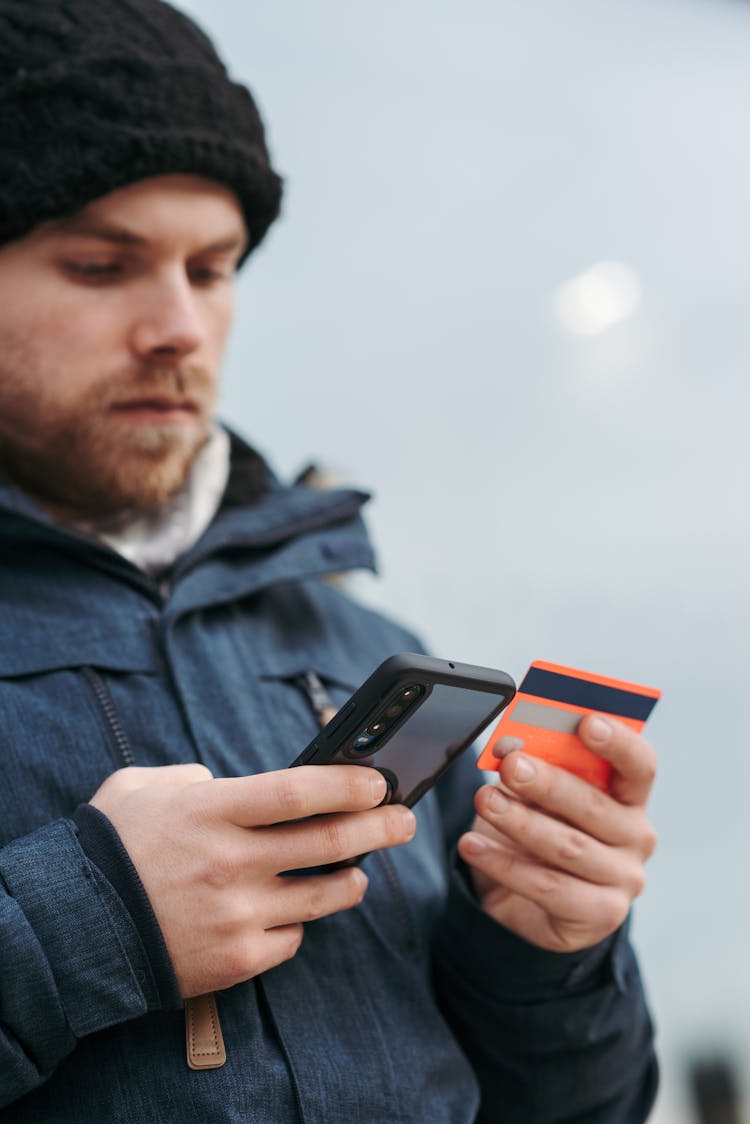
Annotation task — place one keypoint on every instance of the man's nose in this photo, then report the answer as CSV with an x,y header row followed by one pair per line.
x,y
168,323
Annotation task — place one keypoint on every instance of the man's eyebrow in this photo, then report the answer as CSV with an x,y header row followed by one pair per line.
x,y
105,232
121,236
238,241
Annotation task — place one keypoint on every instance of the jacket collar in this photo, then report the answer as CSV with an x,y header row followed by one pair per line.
x,y
296,531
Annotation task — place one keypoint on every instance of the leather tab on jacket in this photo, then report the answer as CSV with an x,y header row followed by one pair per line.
x,y
203,1037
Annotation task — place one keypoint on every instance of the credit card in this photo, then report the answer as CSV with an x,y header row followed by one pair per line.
x,y
550,703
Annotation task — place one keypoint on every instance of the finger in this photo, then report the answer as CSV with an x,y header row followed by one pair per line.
x,y
560,895
506,744
294,794
316,896
568,797
279,944
336,838
633,759
559,844
251,956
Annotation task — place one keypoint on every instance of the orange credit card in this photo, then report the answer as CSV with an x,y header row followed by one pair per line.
x,y
550,703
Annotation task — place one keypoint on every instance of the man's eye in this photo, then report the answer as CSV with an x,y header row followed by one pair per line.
x,y
206,275
94,271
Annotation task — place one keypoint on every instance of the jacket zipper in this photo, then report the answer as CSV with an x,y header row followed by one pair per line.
x,y
199,1012
107,707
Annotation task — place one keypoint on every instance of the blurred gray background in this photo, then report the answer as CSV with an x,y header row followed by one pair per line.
x,y
508,293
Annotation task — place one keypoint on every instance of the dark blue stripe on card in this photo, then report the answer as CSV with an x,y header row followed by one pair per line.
x,y
581,692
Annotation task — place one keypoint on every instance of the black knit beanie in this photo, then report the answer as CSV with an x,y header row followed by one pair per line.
x,y
96,94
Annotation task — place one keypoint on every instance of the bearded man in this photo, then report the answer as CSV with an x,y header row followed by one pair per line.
x,y
169,644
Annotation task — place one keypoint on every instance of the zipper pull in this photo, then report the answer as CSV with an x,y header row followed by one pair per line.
x,y
204,1041
318,697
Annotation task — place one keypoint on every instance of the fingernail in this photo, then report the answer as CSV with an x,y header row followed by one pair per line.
x,y
523,770
377,785
359,878
505,745
599,729
410,822
498,801
476,844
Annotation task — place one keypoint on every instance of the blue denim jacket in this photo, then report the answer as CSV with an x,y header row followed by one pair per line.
x,y
415,1006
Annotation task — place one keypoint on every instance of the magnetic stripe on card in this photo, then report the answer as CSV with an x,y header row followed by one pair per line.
x,y
582,692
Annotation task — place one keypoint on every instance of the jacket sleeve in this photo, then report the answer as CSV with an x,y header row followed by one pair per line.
x,y
554,1038
73,959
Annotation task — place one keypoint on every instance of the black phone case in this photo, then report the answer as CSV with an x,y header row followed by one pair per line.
x,y
383,689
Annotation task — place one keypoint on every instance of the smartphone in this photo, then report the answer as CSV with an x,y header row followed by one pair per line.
x,y
411,720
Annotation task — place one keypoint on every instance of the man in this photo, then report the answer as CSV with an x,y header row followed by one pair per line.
x,y
166,635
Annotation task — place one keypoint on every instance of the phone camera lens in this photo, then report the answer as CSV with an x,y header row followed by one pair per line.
x,y
409,693
394,710
376,728
360,747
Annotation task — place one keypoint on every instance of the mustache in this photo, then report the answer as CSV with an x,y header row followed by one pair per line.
x,y
173,381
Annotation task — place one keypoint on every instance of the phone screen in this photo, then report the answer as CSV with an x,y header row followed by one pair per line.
x,y
436,730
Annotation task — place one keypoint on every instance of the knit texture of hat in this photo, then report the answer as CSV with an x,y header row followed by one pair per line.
x,y
96,94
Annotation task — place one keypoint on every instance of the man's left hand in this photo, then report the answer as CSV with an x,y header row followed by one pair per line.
x,y
556,860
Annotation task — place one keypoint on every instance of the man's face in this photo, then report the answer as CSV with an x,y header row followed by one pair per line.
x,y
112,328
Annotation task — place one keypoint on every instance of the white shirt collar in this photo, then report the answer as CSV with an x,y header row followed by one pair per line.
x,y
155,540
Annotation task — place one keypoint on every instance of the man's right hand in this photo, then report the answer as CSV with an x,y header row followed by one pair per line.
x,y
209,853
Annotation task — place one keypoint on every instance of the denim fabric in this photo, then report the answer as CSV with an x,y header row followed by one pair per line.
x,y
385,1013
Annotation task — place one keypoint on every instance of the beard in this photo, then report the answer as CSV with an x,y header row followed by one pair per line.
x,y
89,458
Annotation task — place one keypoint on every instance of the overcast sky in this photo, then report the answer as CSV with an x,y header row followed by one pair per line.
x,y
508,294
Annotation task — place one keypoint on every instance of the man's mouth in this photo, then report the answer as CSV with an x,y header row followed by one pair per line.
x,y
161,407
